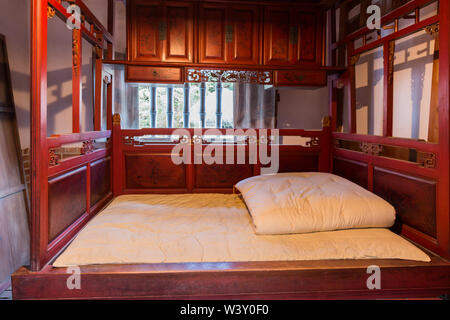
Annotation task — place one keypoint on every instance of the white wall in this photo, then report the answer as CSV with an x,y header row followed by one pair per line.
x,y
302,108
15,25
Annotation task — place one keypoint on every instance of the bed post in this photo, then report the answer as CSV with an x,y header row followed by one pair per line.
x,y
443,207
325,146
118,169
39,152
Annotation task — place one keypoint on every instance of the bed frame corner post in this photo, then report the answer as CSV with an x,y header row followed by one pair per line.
x,y
117,172
325,146
39,151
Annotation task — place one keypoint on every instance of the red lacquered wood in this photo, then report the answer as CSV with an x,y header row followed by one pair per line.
x,y
212,23
56,141
78,161
39,164
388,92
77,84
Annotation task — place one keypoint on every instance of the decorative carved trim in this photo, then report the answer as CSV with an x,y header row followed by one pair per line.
x,y
326,121
116,119
314,142
106,80
391,61
75,51
130,141
371,148
53,158
50,12
426,160
354,59
243,76
433,29
88,147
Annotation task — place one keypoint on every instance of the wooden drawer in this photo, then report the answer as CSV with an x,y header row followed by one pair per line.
x,y
154,74
300,78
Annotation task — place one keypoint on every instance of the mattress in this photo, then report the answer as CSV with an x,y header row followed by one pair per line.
x,y
213,228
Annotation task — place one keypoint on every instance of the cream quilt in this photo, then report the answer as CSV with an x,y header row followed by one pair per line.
x,y
213,228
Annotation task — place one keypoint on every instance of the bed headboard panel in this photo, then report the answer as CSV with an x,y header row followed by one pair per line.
x,y
403,172
143,165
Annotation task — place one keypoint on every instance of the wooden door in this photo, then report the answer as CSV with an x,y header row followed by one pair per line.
x,y
14,232
244,47
278,42
214,34
161,31
307,37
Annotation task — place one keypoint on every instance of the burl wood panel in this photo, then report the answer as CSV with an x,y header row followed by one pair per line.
x,y
67,197
277,46
154,74
300,78
354,171
212,24
179,43
145,43
413,198
244,20
100,180
221,175
149,171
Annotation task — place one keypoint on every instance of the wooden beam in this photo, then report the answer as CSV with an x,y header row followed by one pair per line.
x,y
39,155
388,92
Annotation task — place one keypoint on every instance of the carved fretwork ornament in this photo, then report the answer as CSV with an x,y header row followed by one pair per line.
x,y
75,50
243,76
426,160
88,147
354,59
371,148
53,158
433,29
50,12
116,119
314,142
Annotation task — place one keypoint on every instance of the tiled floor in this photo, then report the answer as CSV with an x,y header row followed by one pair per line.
x,y
6,295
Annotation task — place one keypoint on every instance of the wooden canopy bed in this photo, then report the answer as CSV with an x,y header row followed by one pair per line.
x,y
68,193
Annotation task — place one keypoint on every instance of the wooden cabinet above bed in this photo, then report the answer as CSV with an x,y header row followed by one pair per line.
x,y
236,34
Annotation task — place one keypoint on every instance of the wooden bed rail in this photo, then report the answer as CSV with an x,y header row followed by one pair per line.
x,y
145,165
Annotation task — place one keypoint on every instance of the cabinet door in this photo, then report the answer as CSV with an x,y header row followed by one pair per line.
x,y
177,37
278,47
212,33
146,27
308,29
244,45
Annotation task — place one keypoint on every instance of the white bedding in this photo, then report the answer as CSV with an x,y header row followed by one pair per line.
x,y
213,228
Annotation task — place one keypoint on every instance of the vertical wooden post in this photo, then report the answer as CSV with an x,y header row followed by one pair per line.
x,y
443,164
153,106
325,146
186,105
39,152
219,105
203,104
111,18
117,154
388,92
169,106
352,89
98,90
77,86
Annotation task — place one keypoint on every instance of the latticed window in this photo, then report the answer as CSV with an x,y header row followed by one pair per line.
x,y
192,105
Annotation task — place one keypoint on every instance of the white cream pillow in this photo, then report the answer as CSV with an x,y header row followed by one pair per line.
x,y
305,202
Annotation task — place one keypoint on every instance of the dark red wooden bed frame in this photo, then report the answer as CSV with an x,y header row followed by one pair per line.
x,y
66,195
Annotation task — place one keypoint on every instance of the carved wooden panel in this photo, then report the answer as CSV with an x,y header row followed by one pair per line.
x,y
277,43
150,171
100,180
413,198
66,200
179,43
308,35
212,31
244,22
300,78
354,171
145,30
154,74
221,175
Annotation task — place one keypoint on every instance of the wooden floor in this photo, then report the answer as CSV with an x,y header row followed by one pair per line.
x,y
6,295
